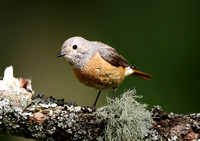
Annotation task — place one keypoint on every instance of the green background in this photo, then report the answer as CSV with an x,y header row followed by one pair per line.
x,y
160,37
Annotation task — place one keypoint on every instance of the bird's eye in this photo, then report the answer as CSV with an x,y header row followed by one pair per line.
x,y
74,47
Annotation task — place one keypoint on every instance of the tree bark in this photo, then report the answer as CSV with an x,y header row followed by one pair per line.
x,y
32,115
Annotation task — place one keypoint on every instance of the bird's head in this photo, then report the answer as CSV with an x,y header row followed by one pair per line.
x,y
77,51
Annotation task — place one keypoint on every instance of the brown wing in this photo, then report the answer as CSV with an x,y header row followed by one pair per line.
x,y
111,55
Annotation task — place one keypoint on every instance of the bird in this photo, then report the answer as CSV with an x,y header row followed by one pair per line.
x,y
97,65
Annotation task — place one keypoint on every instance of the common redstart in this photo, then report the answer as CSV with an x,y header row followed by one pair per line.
x,y
97,65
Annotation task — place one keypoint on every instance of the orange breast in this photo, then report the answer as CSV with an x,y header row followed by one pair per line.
x,y
100,74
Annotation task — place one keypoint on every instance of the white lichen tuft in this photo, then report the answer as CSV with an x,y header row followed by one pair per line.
x,y
126,119
12,89
10,82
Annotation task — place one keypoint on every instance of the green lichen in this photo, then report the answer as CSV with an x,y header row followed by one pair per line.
x,y
126,119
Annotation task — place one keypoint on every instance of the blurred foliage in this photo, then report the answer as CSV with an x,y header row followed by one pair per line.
x,y
159,37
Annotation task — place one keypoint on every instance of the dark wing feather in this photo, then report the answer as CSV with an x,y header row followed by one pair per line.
x,y
111,55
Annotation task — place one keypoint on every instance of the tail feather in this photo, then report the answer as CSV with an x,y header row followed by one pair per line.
x,y
141,74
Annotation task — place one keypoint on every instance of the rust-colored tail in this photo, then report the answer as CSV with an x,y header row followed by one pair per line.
x,y
141,74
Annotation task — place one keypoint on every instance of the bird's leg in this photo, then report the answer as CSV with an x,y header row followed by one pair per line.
x,y
114,92
94,105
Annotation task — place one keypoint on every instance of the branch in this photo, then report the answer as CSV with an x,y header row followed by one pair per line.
x,y
26,113
176,126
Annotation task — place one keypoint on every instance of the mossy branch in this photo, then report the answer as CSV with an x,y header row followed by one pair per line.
x,y
25,113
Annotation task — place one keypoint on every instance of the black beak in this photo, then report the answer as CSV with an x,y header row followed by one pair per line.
x,y
60,55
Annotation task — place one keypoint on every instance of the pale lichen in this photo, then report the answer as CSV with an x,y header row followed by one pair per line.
x,y
126,119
